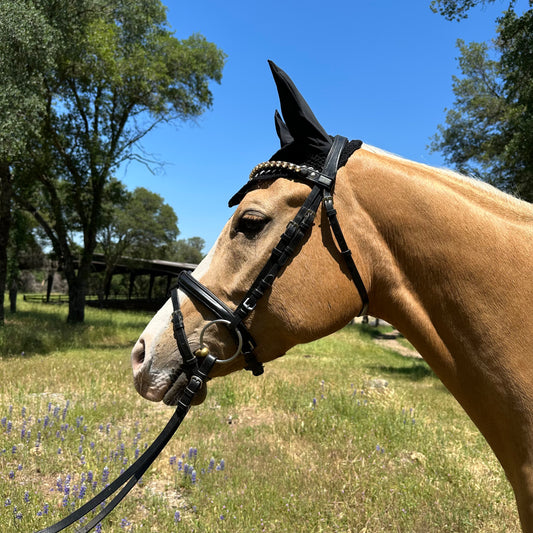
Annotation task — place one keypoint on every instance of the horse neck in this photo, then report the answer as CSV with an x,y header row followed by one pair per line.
x,y
440,253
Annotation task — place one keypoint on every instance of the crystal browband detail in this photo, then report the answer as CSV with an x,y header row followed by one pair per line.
x,y
301,172
269,166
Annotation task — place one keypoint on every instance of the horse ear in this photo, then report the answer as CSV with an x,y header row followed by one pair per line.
x,y
283,132
302,124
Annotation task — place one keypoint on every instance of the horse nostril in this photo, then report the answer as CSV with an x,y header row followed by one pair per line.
x,y
137,356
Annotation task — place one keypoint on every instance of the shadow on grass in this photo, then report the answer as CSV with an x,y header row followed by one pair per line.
x,y
416,371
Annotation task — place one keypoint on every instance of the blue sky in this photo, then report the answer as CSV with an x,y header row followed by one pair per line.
x,y
379,71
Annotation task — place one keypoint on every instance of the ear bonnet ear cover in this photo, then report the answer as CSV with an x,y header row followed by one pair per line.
x,y
303,140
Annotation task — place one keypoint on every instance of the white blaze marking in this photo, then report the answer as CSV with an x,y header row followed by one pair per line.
x,y
161,320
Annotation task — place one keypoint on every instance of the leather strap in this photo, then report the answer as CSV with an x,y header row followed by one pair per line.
x,y
131,476
346,253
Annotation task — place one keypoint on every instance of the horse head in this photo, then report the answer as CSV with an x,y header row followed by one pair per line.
x,y
307,294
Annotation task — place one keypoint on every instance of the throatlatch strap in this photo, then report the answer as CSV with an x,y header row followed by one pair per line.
x,y
346,253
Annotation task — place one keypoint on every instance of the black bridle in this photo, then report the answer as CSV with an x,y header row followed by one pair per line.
x,y
322,186
199,364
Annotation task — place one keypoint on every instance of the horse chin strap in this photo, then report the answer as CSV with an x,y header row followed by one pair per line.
x,y
322,185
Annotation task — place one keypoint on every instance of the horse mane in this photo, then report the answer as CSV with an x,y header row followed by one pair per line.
x,y
483,193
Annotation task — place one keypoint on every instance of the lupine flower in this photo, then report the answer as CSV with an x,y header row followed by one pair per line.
x,y
177,516
26,497
11,474
193,476
105,474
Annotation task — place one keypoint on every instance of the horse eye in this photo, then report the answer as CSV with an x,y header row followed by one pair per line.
x,y
251,224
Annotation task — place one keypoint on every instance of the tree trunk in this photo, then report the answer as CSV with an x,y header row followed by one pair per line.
x,y
5,223
76,300
13,297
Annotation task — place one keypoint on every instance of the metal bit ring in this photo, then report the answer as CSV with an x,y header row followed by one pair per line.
x,y
237,332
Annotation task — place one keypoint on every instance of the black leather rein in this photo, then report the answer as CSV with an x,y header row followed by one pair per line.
x,y
198,365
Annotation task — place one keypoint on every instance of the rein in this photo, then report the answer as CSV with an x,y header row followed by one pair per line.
x,y
129,478
199,364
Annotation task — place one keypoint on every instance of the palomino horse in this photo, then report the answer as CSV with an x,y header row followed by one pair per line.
x,y
446,259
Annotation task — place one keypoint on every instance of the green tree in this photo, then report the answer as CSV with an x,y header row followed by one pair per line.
x,y
27,46
137,224
456,9
23,253
188,250
489,132
119,71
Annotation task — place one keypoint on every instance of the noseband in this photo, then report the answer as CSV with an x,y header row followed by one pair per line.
x,y
322,186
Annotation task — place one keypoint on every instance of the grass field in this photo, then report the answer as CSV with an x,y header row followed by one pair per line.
x,y
317,444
